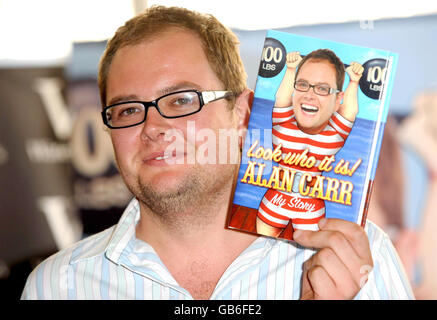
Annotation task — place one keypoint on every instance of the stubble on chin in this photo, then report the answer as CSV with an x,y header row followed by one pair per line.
x,y
190,203
167,202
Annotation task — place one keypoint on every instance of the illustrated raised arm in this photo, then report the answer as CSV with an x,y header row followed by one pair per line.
x,y
349,108
283,95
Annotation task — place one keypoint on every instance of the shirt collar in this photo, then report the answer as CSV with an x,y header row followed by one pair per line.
x,y
124,231
139,256
115,239
123,248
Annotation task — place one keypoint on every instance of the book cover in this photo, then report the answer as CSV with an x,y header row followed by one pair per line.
x,y
314,134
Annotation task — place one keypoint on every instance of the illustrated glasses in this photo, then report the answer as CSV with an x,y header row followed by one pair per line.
x,y
319,89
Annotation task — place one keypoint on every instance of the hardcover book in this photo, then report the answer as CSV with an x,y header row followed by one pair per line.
x,y
314,135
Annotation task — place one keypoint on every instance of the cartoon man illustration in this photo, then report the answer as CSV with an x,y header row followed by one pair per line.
x,y
310,112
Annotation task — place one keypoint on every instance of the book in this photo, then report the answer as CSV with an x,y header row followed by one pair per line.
x,y
314,135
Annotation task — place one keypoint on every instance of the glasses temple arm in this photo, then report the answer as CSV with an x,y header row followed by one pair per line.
x,y
210,96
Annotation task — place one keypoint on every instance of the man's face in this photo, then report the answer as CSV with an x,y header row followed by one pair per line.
x,y
314,111
171,62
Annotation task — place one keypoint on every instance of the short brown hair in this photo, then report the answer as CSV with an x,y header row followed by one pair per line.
x,y
219,43
329,56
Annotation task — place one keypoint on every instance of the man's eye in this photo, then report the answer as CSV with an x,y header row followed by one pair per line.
x,y
302,85
128,111
182,102
323,89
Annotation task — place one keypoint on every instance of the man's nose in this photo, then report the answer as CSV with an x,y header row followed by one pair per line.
x,y
155,125
311,93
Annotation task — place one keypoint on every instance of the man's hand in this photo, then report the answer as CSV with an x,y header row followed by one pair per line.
x,y
293,59
355,71
339,269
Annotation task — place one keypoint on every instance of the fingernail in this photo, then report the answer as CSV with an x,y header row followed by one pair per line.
x,y
322,223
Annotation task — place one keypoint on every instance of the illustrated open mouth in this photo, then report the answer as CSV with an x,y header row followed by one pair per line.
x,y
309,108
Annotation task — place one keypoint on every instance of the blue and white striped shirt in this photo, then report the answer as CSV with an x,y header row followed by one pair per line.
x,y
114,264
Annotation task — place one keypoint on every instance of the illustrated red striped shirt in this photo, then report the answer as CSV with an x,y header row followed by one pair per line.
x,y
278,207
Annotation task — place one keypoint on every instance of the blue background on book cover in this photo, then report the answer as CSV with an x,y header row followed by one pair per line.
x,y
358,144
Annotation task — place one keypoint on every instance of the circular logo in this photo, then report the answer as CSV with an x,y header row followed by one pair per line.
x,y
373,78
273,58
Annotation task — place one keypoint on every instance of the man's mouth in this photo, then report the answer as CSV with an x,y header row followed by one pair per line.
x,y
162,157
309,108
157,156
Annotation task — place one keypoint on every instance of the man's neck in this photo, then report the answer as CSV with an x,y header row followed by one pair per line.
x,y
196,254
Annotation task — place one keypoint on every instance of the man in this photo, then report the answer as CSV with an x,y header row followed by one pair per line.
x,y
171,242
316,121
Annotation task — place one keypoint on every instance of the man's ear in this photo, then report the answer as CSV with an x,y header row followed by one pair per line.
x,y
339,100
243,105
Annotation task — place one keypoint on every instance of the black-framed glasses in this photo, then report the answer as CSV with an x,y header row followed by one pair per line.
x,y
173,105
320,89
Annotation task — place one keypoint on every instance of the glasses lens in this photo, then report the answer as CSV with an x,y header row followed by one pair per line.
x,y
322,90
179,104
302,85
125,114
